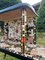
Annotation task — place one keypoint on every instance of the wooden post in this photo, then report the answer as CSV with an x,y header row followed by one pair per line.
x,y
34,32
24,21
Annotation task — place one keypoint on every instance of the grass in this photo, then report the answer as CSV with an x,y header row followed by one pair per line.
x,y
40,41
41,38
8,57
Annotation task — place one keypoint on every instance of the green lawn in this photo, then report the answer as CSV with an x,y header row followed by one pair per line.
x,y
8,57
41,38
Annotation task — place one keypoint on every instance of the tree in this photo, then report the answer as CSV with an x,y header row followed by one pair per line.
x,y
7,3
41,18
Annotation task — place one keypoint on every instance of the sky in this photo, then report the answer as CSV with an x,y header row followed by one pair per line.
x,y
31,2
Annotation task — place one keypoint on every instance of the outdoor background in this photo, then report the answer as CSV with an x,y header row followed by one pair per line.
x,y
39,6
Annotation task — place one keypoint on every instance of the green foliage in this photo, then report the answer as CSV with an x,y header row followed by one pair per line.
x,y
41,17
7,3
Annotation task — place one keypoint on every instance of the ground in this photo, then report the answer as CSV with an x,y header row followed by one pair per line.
x,y
8,57
40,41
40,38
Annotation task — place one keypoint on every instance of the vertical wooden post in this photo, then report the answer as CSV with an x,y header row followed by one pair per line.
x,y
24,21
35,35
34,32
